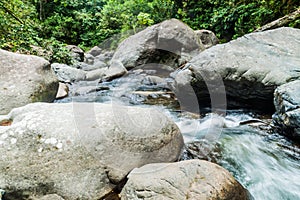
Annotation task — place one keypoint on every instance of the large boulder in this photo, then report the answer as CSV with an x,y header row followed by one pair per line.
x,y
80,151
192,179
160,43
250,67
287,104
24,79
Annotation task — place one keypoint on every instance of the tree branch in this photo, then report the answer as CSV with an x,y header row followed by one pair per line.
x,y
10,12
281,21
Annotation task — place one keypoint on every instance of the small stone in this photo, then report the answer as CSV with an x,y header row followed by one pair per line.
x,y
59,145
52,141
4,136
40,150
13,140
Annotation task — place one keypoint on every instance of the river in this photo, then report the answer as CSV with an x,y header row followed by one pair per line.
x,y
264,162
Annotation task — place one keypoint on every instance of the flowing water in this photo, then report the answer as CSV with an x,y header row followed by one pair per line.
x,y
267,164
264,162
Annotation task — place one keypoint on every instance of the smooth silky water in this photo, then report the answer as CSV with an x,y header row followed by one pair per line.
x,y
264,162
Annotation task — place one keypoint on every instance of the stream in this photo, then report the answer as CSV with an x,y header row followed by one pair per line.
x,y
264,162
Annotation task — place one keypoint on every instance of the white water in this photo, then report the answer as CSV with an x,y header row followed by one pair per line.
x,y
255,158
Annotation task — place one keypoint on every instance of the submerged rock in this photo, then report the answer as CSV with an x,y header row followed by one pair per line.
x,y
250,67
192,179
78,150
287,104
161,43
24,79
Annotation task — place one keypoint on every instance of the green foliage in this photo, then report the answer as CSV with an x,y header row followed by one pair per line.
x,y
120,15
17,31
28,26
71,21
233,18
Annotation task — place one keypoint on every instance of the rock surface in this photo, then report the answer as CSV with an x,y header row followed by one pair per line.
x,y
95,51
207,37
287,104
78,150
24,79
192,179
48,197
251,67
66,73
76,52
63,91
161,43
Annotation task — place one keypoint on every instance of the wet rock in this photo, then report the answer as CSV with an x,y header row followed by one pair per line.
x,y
95,74
24,79
48,197
80,65
89,59
95,51
66,73
250,67
115,70
207,37
153,80
192,179
76,52
94,66
105,57
161,43
89,89
77,150
287,104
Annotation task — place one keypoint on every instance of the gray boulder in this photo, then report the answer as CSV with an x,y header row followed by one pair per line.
x,y
95,74
66,73
192,179
207,37
161,43
96,65
287,104
76,52
250,67
89,59
105,57
78,150
24,79
115,70
95,51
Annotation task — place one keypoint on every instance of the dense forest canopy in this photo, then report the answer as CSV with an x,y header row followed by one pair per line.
x,y
28,25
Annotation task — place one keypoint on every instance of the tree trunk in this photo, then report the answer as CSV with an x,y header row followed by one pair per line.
x,y
281,21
